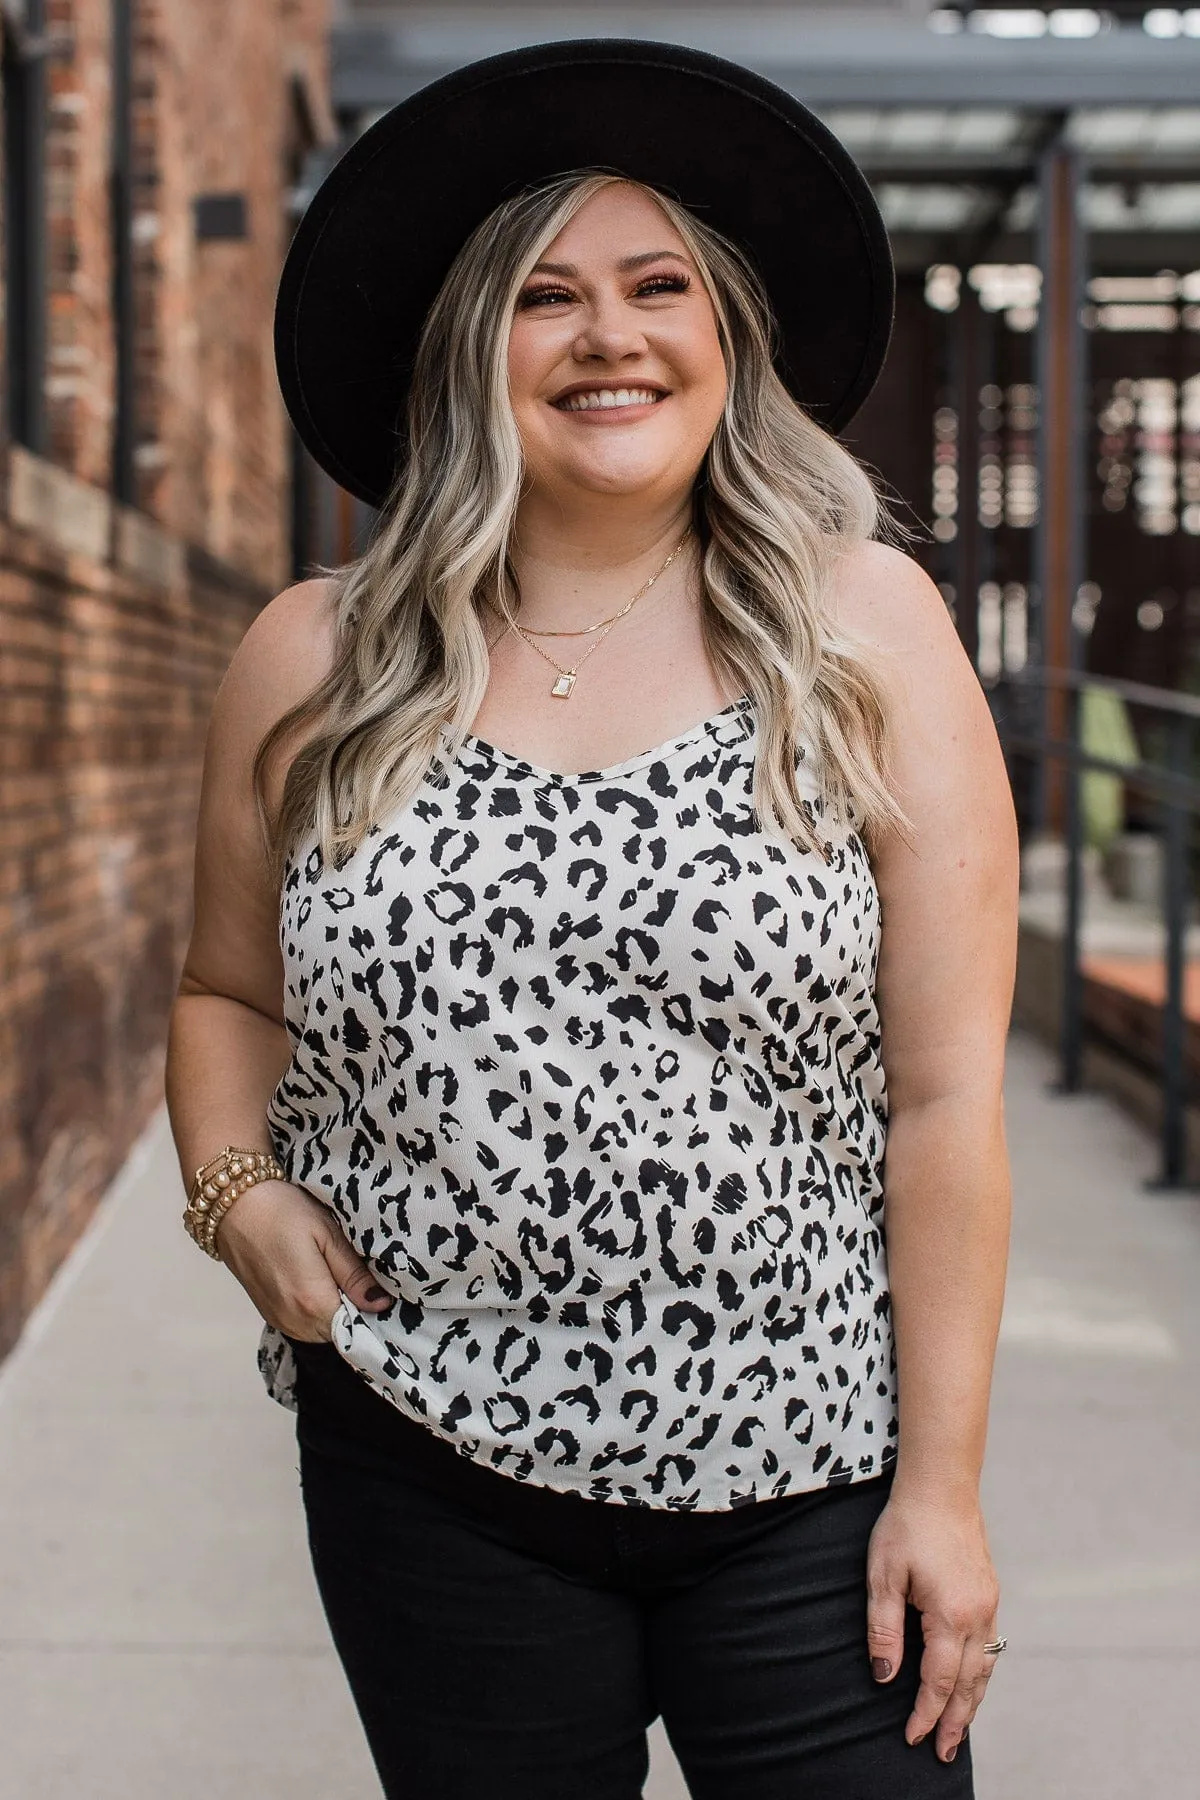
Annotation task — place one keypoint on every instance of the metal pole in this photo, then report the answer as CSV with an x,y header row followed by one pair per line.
x,y
1060,359
1175,907
1071,1022
968,380
25,231
124,478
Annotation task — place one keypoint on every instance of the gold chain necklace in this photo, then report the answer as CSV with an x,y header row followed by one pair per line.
x,y
567,677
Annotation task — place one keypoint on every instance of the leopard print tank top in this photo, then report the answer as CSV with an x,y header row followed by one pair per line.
x,y
588,1069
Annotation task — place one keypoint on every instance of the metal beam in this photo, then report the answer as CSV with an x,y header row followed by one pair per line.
x,y
984,170
1125,252
835,63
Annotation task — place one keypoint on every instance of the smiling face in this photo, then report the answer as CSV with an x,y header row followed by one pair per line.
x,y
616,373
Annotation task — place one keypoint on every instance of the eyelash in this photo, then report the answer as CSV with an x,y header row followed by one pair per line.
x,y
653,284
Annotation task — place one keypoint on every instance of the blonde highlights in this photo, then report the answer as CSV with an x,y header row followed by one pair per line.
x,y
778,501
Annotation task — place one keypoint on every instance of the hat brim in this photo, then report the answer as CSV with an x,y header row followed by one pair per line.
x,y
378,239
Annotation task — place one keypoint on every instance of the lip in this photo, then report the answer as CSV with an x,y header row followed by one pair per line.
x,y
609,415
605,385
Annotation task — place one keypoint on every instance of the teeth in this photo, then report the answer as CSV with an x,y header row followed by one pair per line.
x,y
606,397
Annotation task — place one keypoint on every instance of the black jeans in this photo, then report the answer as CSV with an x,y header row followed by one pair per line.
x,y
504,1642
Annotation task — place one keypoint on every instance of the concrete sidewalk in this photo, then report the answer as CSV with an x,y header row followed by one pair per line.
x,y
159,1630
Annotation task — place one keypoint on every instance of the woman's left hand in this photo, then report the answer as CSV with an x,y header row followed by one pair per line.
x,y
932,1552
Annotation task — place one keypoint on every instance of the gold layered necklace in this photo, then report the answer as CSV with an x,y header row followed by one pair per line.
x,y
566,678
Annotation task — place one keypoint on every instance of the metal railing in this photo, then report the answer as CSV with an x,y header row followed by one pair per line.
x,y
1022,706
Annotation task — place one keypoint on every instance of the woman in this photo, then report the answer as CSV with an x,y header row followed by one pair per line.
x,y
580,1056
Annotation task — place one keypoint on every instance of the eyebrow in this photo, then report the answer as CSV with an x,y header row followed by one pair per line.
x,y
625,265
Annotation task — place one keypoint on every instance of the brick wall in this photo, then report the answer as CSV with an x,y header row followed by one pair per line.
x,y
217,103
116,625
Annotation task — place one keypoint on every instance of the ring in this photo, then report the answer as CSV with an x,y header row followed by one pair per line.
x,y
995,1649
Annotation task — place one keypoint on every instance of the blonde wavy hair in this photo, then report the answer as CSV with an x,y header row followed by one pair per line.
x,y
778,500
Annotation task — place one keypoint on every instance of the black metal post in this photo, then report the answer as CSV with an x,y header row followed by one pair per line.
x,y
303,528
121,214
1175,910
968,381
1060,364
25,231
1071,1023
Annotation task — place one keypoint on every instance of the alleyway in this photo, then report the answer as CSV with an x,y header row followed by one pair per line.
x,y
159,1633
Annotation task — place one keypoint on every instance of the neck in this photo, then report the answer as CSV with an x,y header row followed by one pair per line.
x,y
592,548
573,566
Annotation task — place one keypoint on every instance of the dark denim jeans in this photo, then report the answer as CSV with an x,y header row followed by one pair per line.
x,y
504,1642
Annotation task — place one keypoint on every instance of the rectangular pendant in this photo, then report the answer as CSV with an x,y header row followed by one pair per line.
x,y
562,687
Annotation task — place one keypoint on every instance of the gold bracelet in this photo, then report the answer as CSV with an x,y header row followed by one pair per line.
x,y
217,1185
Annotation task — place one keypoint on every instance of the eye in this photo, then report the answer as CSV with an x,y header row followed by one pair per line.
x,y
664,284
543,296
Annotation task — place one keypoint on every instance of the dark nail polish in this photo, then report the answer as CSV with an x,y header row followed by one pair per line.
x,y
881,1668
375,1293
951,1753
919,1740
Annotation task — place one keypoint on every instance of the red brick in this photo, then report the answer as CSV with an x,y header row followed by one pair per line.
x,y
106,681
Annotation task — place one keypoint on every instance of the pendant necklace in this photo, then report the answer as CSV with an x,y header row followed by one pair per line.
x,y
561,689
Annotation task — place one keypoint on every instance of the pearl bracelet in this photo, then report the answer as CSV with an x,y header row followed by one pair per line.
x,y
217,1185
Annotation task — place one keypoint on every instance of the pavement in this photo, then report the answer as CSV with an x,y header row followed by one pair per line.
x,y
159,1628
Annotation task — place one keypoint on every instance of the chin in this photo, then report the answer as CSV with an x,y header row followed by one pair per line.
x,y
617,474
623,482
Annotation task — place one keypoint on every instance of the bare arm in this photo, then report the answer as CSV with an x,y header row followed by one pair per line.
x,y
227,1045
945,981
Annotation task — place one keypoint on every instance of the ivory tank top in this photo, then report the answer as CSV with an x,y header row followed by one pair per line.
x,y
588,1069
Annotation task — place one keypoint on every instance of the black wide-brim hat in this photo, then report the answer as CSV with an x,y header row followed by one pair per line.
x,y
378,239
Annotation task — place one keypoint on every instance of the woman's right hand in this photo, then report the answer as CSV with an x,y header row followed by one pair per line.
x,y
294,1261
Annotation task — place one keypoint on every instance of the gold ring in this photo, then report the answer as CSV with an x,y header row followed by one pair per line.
x,y
995,1649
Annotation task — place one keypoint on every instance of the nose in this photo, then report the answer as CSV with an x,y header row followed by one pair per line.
x,y
609,332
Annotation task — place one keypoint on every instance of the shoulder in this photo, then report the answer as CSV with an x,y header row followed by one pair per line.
x,y
287,650
944,754
285,654
886,604
886,600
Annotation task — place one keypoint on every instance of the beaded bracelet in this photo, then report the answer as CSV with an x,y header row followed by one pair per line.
x,y
217,1185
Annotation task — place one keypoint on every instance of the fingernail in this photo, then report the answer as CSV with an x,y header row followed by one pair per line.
x,y
375,1293
951,1753
881,1668
918,1740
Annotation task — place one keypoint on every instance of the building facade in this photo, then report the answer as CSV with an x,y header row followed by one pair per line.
x,y
150,503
